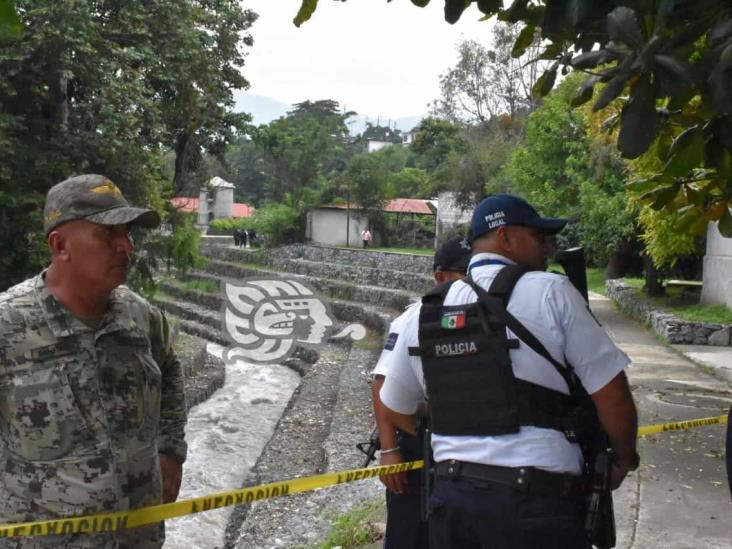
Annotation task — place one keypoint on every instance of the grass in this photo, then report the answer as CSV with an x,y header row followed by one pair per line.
x,y
675,301
596,280
703,313
354,528
200,285
414,251
371,342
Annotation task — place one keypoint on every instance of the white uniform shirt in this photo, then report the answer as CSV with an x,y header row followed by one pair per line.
x,y
388,356
555,312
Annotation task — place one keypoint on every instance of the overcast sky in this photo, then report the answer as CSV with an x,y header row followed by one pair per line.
x,y
376,58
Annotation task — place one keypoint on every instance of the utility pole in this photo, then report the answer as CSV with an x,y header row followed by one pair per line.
x,y
348,213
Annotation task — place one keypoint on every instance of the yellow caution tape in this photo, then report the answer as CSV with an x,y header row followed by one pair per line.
x,y
111,522
680,425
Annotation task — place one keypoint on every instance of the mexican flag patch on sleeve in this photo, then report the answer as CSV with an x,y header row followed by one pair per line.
x,y
453,320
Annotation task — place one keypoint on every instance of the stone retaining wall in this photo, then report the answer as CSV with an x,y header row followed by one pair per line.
x,y
672,328
394,271
349,312
202,373
390,298
410,263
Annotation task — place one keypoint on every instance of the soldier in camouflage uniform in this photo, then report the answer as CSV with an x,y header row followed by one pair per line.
x,y
92,412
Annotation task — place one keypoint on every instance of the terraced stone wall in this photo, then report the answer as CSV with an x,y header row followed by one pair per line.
x,y
407,272
674,329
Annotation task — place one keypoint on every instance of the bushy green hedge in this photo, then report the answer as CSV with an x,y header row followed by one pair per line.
x,y
224,225
277,223
184,245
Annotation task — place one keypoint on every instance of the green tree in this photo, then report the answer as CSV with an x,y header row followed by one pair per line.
x,y
10,25
434,141
381,133
194,67
488,82
561,170
667,63
367,179
86,88
409,183
299,148
244,167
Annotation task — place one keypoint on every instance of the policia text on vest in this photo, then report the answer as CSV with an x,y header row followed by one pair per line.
x,y
456,342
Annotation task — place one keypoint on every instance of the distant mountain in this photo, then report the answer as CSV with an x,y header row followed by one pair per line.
x,y
265,109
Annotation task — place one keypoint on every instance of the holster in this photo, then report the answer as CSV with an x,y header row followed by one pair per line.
x,y
599,512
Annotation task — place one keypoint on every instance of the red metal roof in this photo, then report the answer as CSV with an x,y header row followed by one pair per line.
x,y
243,210
398,205
190,205
408,205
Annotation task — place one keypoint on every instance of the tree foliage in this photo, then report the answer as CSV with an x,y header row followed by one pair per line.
x,y
669,65
564,172
299,148
488,82
367,179
10,25
197,64
91,87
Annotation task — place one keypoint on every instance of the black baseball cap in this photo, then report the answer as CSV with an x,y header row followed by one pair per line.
x,y
507,209
453,255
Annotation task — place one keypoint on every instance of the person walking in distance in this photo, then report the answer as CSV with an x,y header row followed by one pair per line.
x,y
366,237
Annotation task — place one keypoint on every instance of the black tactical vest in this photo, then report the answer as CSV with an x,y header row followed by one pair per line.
x,y
470,384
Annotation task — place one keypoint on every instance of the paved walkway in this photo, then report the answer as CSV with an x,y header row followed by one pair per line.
x,y
678,499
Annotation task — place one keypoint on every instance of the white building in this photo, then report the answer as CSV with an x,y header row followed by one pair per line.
x,y
449,214
341,225
215,201
717,286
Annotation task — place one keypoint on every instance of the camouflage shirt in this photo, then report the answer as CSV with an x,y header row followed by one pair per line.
x,y
84,412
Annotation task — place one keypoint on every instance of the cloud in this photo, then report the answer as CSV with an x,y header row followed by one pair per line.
x,y
377,58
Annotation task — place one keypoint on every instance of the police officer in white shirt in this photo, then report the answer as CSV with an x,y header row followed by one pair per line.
x,y
473,506
405,527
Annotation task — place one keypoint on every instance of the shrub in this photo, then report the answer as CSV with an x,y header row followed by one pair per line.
x,y
184,245
278,223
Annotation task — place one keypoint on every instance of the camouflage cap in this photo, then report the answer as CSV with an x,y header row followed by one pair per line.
x,y
94,198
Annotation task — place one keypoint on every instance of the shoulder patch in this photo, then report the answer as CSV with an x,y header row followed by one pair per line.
x,y
391,341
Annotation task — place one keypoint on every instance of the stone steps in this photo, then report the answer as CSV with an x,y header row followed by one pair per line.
x,y
394,300
350,256
205,308
331,410
415,280
339,399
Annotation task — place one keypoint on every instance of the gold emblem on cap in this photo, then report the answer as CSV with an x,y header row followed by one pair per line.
x,y
52,216
107,188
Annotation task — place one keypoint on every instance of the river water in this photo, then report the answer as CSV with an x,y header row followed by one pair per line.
x,y
225,436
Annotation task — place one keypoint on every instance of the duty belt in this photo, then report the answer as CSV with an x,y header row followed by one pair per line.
x,y
525,479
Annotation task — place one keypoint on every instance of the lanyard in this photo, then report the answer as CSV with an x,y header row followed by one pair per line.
x,y
483,262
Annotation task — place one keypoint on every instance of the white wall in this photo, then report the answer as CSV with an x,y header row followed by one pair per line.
x,y
717,268
328,226
374,146
448,213
223,202
203,208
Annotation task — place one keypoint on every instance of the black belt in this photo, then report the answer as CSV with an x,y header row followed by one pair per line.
x,y
524,479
